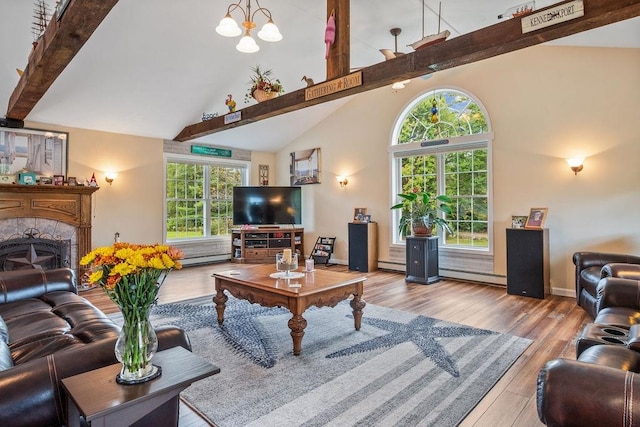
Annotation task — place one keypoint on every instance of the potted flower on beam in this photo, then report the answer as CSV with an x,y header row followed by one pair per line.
x,y
263,85
420,213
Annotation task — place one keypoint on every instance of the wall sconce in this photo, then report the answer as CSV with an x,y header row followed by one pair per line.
x,y
110,176
576,164
342,180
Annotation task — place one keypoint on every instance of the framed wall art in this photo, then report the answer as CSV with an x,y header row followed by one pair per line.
x,y
536,218
41,152
305,167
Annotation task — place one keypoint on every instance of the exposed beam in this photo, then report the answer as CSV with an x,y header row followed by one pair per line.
x,y
485,43
339,55
56,48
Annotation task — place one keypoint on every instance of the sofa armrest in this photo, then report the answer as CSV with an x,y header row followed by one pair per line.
x,y
21,284
572,393
32,392
623,270
617,292
172,336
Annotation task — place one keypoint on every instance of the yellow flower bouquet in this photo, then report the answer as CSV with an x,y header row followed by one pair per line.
x,y
131,275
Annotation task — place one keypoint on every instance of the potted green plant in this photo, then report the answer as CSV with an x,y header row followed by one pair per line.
x,y
263,85
420,213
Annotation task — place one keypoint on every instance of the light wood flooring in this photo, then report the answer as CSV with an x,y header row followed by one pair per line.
x,y
552,324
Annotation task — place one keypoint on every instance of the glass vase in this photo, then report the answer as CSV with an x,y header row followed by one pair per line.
x,y
135,347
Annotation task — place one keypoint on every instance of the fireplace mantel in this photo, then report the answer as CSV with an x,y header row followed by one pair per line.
x,y
67,204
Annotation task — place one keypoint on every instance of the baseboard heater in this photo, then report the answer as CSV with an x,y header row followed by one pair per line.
x,y
207,259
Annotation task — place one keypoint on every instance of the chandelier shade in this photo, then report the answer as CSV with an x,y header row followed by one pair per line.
x,y
228,27
247,44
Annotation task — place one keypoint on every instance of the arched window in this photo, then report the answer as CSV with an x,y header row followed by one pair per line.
x,y
441,145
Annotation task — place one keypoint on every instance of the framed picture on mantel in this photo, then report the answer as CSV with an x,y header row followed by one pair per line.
x,y
37,151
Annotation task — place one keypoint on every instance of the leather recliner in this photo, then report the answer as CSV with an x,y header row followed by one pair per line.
x,y
589,272
47,333
601,387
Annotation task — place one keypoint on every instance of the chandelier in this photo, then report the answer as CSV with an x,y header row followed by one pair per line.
x,y
228,27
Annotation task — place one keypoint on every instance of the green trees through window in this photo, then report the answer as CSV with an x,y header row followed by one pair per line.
x,y
199,199
457,168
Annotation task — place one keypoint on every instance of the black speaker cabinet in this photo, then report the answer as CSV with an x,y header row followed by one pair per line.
x,y
363,246
528,262
422,260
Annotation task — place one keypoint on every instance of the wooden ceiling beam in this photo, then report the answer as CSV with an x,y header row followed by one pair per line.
x,y
485,43
61,41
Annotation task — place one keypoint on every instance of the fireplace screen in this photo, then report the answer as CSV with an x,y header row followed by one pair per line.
x,y
34,250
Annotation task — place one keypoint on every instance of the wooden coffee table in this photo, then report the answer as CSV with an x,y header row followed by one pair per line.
x,y
322,288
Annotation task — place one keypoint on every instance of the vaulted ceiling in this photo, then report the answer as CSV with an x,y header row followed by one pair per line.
x,y
153,67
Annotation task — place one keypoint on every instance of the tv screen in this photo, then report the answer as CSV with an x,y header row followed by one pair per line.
x,y
267,205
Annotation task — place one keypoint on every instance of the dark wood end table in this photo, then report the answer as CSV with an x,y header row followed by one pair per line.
x,y
97,396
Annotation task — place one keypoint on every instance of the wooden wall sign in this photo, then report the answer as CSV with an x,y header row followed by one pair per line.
x,y
333,86
555,15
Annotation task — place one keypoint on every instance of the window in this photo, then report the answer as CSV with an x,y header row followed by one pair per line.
x,y
441,146
198,202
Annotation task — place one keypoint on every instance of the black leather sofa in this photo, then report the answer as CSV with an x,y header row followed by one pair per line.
x,y
601,387
589,272
47,333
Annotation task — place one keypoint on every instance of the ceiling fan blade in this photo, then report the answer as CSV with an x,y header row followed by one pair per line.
x,y
388,53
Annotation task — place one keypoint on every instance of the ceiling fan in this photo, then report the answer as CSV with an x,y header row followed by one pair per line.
x,y
388,53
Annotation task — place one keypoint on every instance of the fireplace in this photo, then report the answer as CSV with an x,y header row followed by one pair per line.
x,y
40,213
34,250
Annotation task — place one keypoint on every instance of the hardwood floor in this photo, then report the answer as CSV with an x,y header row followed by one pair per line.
x,y
552,324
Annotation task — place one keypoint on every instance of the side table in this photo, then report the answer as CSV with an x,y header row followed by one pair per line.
x,y
96,396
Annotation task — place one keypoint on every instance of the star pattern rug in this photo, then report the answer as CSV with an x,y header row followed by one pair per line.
x,y
400,369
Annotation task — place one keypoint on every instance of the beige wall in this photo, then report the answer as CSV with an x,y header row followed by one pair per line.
x,y
545,104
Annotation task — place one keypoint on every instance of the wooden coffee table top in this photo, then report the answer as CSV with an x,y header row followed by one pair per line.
x,y
319,280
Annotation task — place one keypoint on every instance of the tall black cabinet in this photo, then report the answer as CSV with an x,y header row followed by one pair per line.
x,y
528,262
422,260
363,246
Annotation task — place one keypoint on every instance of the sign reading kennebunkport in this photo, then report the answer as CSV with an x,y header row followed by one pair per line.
x,y
333,86
555,15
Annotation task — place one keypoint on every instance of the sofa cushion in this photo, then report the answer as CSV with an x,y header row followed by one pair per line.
x,y
617,357
51,323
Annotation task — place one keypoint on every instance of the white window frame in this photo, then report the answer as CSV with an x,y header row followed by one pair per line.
x,y
466,142
171,157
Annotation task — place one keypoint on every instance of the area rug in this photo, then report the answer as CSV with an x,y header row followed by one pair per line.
x,y
399,369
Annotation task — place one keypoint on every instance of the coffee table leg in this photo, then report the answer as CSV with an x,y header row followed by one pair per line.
x,y
357,304
297,324
220,299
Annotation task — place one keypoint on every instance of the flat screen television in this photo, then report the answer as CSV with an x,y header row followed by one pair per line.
x,y
267,205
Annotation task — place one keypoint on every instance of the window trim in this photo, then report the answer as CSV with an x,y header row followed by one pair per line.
x,y
397,151
215,161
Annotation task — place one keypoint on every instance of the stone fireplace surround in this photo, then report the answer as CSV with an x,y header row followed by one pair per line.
x,y
60,211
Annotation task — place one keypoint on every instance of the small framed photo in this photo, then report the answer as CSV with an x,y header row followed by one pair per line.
x,y
72,181
518,221
58,179
366,218
358,214
46,180
536,218
27,178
